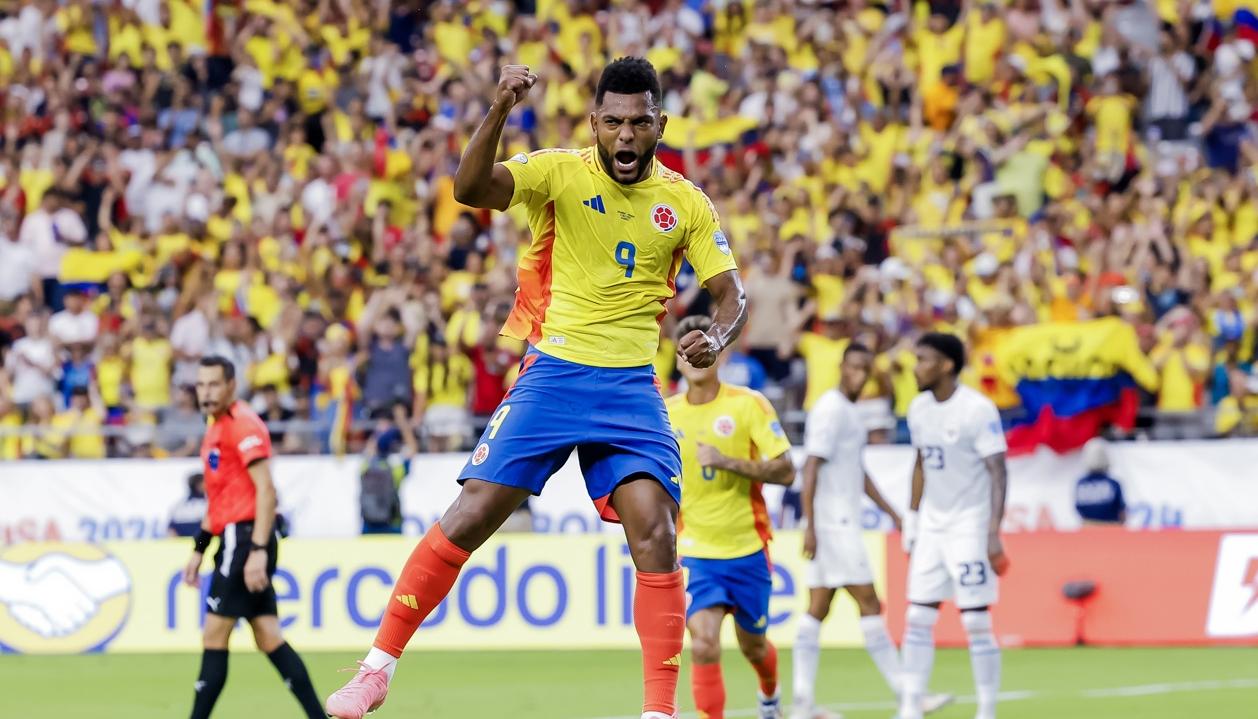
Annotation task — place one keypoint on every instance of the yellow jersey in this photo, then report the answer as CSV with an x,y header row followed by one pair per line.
x,y
82,430
604,256
822,357
722,513
150,371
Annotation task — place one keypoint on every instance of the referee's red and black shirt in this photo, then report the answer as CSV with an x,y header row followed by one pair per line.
x,y
232,442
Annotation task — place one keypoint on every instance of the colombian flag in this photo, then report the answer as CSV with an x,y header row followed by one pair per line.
x,y
706,138
1074,378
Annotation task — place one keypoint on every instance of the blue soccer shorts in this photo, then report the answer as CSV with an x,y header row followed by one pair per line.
x,y
614,417
741,586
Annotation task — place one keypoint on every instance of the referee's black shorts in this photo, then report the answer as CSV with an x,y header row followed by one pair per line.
x,y
228,596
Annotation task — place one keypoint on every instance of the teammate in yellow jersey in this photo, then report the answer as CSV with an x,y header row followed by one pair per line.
x,y
610,228
731,443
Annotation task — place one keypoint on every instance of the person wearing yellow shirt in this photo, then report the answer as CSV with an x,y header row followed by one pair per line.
x,y
564,94
706,91
10,419
1182,362
298,154
35,182
1111,113
731,445
1236,415
111,372
80,427
186,24
984,40
881,139
451,35
75,23
43,441
315,88
149,359
125,38
441,396
1206,244
822,352
938,45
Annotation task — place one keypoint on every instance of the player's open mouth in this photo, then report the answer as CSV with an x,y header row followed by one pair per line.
x,y
625,161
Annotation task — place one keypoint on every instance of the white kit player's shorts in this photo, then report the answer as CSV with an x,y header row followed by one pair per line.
x,y
951,566
841,560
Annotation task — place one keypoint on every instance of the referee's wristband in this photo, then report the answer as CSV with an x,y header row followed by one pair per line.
x,y
254,547
202,541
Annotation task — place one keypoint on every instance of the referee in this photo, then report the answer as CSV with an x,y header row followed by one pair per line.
x,y
241,511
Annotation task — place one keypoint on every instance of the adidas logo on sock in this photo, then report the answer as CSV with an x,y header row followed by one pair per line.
x,y
673,661
595,203
408,600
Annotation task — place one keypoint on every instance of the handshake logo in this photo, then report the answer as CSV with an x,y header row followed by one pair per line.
x,y
61,598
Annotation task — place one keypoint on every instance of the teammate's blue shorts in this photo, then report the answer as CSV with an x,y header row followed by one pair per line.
x,y
742,585
613,416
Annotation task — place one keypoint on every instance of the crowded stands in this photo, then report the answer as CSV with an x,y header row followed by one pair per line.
x,y
272,182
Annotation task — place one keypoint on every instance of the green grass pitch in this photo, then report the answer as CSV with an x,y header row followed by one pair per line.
x,y
1038,684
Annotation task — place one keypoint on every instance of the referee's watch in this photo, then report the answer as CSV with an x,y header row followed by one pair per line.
x,y
255,547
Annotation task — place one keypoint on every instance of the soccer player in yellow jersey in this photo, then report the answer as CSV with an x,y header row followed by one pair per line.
x,y
610,228
731,443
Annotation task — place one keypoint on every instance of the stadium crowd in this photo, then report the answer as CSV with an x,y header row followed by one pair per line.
x,y
273,182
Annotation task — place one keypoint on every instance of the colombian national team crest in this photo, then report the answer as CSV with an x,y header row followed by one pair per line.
x,y
663,217
723,426
481,454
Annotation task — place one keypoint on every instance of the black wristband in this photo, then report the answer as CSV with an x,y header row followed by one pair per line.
x,y
254,546
202,541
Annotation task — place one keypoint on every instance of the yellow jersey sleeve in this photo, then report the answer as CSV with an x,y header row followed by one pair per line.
x,y
532,174
766,431
707,247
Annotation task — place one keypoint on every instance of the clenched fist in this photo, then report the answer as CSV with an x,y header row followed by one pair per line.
x,y
514,85
698,349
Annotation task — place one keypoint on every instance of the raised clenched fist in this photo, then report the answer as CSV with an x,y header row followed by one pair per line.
x,y
514,85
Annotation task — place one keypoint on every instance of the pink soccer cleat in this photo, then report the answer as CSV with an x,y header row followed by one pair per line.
x,y
361,695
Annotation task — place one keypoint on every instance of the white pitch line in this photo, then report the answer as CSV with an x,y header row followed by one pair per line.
x,y
1171,688
1024,695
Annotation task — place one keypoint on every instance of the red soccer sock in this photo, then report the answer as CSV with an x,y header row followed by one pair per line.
x,y
424,582
767,670
659,616
709,690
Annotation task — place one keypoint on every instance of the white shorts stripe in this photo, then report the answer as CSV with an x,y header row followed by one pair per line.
x,y
229,549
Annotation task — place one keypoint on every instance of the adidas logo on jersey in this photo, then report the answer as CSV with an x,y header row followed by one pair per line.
x,y
595,203
408,600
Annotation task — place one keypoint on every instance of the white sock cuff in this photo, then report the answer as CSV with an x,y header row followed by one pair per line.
x,y
809,625
873,623
977,622
922,616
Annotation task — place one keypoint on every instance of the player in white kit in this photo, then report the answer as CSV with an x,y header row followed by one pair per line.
x,y
834,480
952,529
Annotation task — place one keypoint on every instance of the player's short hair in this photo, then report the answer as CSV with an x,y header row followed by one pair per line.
x,y
628,76
703,323
948,345
229,369
855,347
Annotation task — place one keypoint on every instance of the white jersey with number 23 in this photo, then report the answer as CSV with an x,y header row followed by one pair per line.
x,y
953,438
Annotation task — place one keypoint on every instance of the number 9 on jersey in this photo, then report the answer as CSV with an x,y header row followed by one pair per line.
x,y
626,254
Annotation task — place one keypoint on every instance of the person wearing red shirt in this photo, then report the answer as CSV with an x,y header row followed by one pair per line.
x,y
236,454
